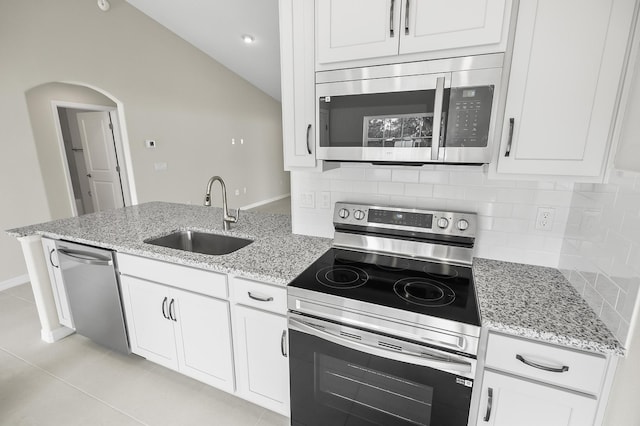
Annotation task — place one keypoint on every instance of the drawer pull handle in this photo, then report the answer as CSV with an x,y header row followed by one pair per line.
x,y
260,298
51,259
542,367
487,415
172,312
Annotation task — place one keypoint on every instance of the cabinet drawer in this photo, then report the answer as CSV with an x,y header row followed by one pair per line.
x,y
184,277
260,295
585,371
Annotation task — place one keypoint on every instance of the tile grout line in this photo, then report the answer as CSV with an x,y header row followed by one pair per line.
x,y
72,385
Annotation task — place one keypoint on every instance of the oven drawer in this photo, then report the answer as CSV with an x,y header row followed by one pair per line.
x,y
556,365
260,295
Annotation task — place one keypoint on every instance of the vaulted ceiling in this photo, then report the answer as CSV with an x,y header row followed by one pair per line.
x,y
216,27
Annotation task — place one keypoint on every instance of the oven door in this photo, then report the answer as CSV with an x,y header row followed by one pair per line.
x,y
345,376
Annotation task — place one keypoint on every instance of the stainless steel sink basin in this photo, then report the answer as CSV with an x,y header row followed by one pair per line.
x,y
200,242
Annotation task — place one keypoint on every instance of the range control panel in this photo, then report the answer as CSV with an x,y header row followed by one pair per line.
x,y
405,219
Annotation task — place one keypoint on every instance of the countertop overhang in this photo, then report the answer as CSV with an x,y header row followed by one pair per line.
x,y
276,255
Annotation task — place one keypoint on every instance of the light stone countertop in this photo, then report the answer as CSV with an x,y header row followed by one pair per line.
x,y
523,300
538,303
276,255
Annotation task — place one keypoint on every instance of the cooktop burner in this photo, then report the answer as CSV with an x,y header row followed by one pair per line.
x,y
342,276
424,287
424,292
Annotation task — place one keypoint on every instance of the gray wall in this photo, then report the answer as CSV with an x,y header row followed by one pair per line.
x,y
168,90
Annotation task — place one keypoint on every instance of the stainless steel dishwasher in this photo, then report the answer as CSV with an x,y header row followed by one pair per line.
x,y
93,290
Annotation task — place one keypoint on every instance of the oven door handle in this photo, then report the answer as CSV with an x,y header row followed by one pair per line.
x,y
459,367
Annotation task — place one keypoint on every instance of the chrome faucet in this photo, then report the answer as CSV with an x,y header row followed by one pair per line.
x,y
227,219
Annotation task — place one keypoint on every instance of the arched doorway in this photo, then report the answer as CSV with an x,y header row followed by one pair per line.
x,y
82,148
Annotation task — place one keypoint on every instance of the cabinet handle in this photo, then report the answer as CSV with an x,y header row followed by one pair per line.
x,y
542,367
172,312
437,118
487,415
51,259
164,308
283,343
260,298
391,34
308,146
510,141
406,19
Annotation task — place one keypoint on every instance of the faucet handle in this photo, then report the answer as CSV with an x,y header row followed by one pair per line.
x,y
237,216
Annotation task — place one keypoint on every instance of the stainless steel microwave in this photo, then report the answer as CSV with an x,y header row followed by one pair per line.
x,y
441,111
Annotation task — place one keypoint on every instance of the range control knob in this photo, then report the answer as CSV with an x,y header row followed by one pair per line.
x,y
358,214
443,223
343,213
463,224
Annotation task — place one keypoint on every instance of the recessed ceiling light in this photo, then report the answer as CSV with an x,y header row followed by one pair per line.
x,y
247,38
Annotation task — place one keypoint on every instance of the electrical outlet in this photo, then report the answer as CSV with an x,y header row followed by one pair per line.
x,y
307,200
325,200
544,219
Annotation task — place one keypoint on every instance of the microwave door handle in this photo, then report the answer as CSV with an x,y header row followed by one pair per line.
x,y
437,118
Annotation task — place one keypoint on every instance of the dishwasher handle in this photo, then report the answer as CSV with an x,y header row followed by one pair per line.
x,y
86,257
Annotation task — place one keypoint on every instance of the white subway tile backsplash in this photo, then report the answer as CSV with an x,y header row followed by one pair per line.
x,y
378,174
468,178
495,209
434,177
449,192
418,190
479,193
461,206
402,175
365,187
390,188
352,173
607,289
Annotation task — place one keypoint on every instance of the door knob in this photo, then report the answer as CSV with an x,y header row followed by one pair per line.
x,y
88,175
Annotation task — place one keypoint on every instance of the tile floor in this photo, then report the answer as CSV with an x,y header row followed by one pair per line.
x,y
76,382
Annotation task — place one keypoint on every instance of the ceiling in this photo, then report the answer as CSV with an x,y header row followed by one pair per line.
x,y
216,27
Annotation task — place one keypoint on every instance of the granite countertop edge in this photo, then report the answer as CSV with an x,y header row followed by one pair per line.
x,y
516,298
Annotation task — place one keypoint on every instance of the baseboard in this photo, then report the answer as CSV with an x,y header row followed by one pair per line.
x,y
263,202
14,282
56,334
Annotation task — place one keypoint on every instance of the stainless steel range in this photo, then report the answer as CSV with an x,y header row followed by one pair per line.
x,y
384,327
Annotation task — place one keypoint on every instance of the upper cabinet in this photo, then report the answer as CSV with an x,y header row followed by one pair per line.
x,y
350,30
297,65
566,72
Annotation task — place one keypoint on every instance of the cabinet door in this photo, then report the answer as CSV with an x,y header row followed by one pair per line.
x,y
568,58
55,276
357,29
203,336
430,25
146,308
297,65
263,366
520,402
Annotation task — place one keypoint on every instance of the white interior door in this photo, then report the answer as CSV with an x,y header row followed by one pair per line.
x,y
101,161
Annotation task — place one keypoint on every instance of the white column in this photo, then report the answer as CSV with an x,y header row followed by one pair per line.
x,y
51,330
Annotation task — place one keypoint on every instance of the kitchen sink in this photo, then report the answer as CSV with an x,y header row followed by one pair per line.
x,y
200,242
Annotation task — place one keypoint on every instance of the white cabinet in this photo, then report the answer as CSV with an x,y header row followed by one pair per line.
x,y
509,401
298,83
361,29
529,383
171,325
55,276
568,58
261,344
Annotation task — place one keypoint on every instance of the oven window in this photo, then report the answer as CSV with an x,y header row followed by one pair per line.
x,y
335,385
379,398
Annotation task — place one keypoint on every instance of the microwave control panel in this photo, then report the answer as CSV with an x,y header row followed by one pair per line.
x,y
469,116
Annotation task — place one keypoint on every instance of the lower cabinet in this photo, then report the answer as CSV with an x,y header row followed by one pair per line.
x,y
181,330
530,383
261,343
509,401
262,363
